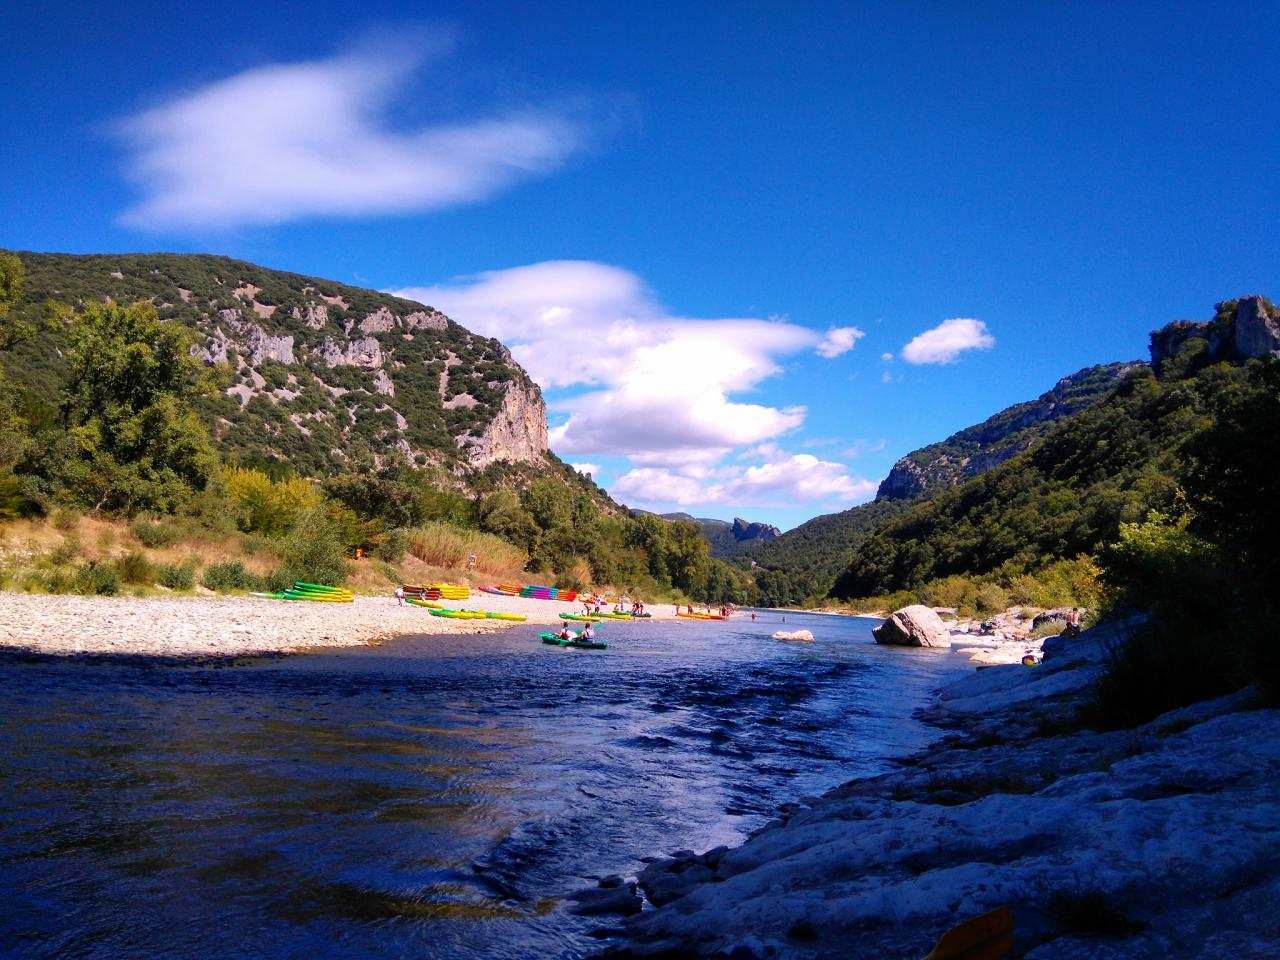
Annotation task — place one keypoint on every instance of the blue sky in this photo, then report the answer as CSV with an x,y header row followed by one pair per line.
x,y
754,252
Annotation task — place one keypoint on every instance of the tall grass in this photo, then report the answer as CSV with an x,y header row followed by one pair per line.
x,y
444,545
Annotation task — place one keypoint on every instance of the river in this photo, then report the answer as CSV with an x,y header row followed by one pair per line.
x,y
428,798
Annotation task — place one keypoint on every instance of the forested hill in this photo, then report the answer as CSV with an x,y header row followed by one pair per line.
x,y
805,562
726,539
977,449
1114,462
315,371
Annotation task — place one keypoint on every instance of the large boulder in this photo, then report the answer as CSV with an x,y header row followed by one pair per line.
x,y
914,626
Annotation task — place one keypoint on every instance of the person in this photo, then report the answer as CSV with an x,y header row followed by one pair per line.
x,y
400,596
753,616
1073,623
471,561
564,632
587,633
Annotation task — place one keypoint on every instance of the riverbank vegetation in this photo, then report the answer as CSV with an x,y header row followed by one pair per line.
x,y
119,438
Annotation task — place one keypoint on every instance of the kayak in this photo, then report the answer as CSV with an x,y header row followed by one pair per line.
x,y
498,591
700,616
592,618
554,638
518,617
424,603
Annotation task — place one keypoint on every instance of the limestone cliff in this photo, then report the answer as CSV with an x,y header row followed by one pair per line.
x,y
1240,330
314,369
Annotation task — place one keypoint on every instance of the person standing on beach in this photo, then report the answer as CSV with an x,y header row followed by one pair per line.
x,y
400,596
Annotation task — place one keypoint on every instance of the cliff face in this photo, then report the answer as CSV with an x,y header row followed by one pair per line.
x,y
979,448
313,367
1242,329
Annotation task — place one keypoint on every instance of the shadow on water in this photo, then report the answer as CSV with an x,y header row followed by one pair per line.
x,y
433,797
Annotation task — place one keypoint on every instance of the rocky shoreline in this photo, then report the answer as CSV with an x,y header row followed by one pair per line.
x,y
1154,842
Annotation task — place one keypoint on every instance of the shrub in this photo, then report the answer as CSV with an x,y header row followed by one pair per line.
x,y
133,567
392,545
66,551
315,551
65,520
991,598
228,576
153,533
176,576
100,579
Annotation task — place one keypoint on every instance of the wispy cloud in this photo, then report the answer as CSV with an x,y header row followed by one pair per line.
x,y
660,388
282,142
945,342
838,340
587,469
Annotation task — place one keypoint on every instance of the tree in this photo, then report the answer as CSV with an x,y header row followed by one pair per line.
x,y
132,440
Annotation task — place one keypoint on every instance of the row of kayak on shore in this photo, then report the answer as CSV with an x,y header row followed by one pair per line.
x,y
317,592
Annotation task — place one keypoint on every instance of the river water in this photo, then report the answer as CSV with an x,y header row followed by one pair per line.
x,y
429,798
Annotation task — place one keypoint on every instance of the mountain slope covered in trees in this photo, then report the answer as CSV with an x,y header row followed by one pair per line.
x,y
314,372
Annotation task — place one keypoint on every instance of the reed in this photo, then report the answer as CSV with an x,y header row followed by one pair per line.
x,y
444,545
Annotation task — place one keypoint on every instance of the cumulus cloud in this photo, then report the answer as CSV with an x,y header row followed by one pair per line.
x,y
281,142
945,342
587,469
781,480
838,340
654,387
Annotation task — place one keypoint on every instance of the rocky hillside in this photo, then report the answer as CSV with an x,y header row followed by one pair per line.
x,y
1240,329
726,539
804,562
977,449
314,370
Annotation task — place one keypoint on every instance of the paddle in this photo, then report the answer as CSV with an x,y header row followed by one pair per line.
x,y
987,937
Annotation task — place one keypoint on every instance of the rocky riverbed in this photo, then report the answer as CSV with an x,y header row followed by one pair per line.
x,y
1154,842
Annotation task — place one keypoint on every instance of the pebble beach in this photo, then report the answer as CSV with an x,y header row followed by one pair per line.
x,y
212,625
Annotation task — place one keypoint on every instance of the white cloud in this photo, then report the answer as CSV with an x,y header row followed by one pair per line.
x,y
587,469
838,340
660,387
286,141
886,357
784,480
945,342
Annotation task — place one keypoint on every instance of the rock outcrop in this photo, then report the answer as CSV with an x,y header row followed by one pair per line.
x,y
914,626
744,531
518,432
1241,329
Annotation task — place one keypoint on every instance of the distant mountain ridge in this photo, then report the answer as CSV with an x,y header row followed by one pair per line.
x,y
812,555
977,449
312,366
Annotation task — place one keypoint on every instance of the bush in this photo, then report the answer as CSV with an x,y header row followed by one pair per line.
x,y
133,567
66,551
315,551
228,576
99,579
153,533
65,520
176,576
392,545
991,598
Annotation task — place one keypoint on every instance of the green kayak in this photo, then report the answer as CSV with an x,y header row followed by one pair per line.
x,y
554,638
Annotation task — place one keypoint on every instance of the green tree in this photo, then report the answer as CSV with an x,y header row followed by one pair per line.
x,y
132,440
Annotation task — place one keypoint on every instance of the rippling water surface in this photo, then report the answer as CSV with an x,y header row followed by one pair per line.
x,y
428,798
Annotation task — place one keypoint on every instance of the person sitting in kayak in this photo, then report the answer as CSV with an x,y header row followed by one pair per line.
x,y
564,633
587,633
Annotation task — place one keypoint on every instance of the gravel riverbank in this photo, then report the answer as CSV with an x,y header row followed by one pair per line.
x,y
202,626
